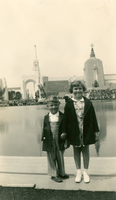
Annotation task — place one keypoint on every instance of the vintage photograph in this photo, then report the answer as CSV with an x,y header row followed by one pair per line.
x,y
57,99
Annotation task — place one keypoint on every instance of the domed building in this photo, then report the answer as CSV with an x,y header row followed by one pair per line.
x,y
93,71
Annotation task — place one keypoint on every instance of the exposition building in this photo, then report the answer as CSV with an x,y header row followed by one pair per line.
x,y
93,76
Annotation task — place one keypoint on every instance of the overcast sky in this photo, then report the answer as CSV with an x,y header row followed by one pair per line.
x,y
62,31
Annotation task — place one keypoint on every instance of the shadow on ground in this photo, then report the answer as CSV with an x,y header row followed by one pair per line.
x,y
16,193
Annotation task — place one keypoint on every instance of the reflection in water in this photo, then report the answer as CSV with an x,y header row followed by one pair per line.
x,y
4,126
97,147
104,112
23,126
39,133
101,118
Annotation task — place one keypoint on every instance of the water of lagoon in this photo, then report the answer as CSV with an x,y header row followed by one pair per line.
x,y
20,130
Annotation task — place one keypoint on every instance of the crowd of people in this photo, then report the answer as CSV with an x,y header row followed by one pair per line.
x,y
102,94
92,94
22,102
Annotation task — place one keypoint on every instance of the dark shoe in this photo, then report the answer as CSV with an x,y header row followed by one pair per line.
x,y
64,177
56,179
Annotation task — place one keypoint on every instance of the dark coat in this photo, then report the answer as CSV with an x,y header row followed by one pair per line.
x,y
47,134
70,123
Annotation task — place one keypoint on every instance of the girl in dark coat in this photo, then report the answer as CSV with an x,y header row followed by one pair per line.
x,y
80,126
52,142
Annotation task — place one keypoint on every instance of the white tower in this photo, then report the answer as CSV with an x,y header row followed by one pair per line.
x,y
93,71
36,68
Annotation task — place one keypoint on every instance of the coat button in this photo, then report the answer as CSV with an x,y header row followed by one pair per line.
x,y
44,138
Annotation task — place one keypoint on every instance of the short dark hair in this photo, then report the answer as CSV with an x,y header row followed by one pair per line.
x,y
75,84
53,99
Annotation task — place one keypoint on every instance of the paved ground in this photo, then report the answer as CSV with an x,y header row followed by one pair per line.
x,y
28,171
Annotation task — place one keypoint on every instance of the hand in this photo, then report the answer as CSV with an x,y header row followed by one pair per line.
x,y
66,144
63,136
97,136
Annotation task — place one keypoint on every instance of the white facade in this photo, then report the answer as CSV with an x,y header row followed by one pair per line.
x,y
93,71
25,80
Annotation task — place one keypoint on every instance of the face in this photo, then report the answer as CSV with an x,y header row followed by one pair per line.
x,y
54,107
78,91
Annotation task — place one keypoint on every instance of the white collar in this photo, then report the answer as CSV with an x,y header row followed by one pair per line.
x,y
55,115
82,99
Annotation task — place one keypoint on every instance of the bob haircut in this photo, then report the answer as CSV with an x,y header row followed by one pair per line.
x,y
76,84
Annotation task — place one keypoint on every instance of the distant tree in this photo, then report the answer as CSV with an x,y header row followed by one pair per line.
x,y
11,95
37,94
96,83
18,95
2,91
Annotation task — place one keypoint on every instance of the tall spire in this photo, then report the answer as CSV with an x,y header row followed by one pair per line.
x,y
36,68
35,52
92,51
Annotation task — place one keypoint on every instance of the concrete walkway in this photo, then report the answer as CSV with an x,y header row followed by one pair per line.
x,y
28,171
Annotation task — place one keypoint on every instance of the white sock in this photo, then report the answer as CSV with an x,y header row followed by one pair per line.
x,y
78,171
86,170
